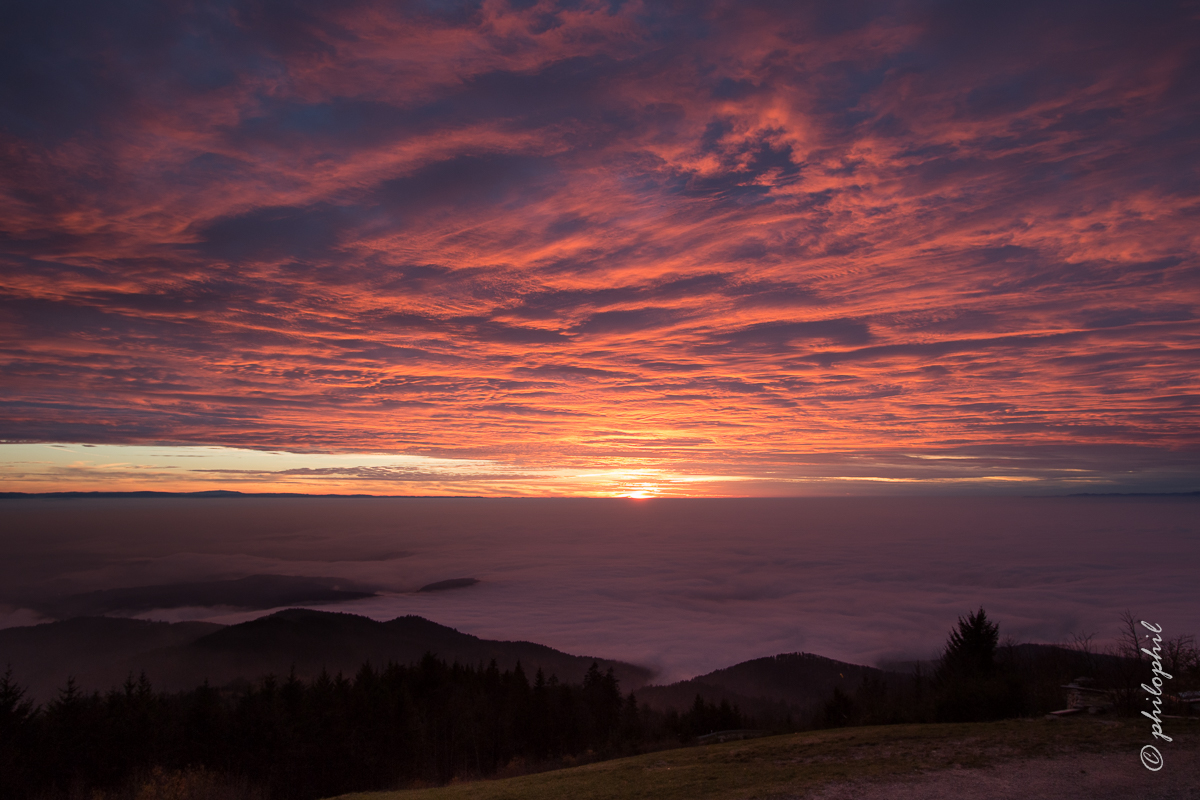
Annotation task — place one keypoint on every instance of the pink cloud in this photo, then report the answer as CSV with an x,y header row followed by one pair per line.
x,y
749,232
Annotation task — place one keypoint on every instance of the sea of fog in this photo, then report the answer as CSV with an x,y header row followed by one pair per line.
x,y
684,586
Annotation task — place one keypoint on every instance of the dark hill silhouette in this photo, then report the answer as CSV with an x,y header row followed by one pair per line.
x,y
182,656
799,683
98,651
315,640
772,686
1026,656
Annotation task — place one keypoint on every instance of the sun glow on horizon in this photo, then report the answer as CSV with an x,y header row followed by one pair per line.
x,y
642,493
56,467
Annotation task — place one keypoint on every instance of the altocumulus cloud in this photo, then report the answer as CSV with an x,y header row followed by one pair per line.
x,y
500,231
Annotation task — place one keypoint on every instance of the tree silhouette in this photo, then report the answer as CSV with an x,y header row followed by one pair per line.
x,y
971,649
16,725
971,683
297,739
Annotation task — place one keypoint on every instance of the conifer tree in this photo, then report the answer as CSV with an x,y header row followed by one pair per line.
x,y
971,649
971,685
16,722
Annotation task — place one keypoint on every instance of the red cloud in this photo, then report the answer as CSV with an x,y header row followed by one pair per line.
x,y
751,232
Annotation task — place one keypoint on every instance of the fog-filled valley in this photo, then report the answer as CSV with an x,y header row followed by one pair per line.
x,y
681,587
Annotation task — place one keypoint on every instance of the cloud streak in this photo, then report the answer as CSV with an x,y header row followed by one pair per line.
x,y
710,240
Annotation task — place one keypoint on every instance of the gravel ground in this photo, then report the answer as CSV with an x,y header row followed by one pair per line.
x,y
1077,776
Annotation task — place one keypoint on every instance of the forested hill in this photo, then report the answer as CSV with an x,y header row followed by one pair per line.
x,y
771,686
100,652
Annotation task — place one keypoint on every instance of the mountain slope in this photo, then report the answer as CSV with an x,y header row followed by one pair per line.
x,y
101,652
315,640
774,685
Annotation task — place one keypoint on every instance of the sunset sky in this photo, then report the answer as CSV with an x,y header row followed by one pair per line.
x,y
600,248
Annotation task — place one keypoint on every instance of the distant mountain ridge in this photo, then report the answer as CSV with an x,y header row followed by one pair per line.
x,y
101,652
208,493
772,686
798,684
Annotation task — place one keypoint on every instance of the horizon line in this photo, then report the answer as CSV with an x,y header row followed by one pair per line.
x,y
227,493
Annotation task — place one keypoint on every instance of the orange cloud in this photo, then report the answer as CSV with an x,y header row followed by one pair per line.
x,y
724,241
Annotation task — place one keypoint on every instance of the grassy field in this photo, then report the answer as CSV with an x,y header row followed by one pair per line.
x,y
772,766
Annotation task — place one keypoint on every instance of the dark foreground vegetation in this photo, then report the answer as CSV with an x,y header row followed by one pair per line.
x,y
433,722
977,679
402,725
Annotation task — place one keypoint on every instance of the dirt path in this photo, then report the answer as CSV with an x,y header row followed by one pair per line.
x,y
1081,776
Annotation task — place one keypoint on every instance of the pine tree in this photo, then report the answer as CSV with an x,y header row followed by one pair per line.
x,y
16,718
971,648
970,684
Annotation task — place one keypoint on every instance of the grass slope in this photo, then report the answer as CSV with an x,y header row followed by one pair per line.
x,y
772,766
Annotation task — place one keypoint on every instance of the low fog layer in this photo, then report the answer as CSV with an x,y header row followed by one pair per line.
x,y
251,593
684,586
